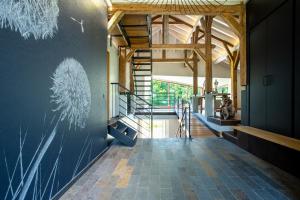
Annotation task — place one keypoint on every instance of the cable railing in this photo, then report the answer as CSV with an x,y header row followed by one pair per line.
x,y
132,110
183,112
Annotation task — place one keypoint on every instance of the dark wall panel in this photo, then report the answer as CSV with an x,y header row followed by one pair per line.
x,y
259,9
245,109
257,71
53,92
279,70
297,72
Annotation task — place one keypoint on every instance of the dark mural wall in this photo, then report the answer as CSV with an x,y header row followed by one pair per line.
x,y
52,94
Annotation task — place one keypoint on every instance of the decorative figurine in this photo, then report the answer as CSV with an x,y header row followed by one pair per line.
x,y
227,110
216,83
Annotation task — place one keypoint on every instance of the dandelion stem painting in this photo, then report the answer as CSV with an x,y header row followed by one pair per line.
x,y
72,98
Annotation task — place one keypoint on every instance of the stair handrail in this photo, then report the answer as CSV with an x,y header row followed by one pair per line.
x,y
185,115
123,87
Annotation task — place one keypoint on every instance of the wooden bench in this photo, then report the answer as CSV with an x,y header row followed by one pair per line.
x,y
269,136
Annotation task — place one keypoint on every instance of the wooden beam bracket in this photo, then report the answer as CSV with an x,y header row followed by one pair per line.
x,y
114,20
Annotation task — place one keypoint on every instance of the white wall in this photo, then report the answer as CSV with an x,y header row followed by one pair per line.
x,y
113,78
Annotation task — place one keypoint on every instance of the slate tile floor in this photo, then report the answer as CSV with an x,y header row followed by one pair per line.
x,y
165,169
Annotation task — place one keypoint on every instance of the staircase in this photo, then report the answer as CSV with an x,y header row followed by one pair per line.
x,y
142,76
122,133
125,106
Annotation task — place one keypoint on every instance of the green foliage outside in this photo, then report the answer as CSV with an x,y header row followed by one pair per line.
x,y
165,93
223,89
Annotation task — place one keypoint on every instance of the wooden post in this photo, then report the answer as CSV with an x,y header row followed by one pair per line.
x,y
122,67
234,61
239,28
243,47
195,74
233,75
165,33
195,63
206,23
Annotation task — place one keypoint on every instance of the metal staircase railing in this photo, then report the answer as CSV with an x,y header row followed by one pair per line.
x,y
125,107
183,111
142,74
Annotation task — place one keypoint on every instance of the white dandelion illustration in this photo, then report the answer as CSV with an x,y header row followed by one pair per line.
x,y
72,96
71,93
30,17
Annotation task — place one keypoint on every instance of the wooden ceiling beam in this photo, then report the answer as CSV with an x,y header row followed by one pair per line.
x,y
155,18
177,20
175,23
124,35
228,51
233,23
200,53
171,46
189,65
114,20
217,38
130,54
172,60
138,8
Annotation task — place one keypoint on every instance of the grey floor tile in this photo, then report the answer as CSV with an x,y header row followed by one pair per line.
x,y
165,169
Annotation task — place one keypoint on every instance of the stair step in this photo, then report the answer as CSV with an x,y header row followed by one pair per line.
x,y
142,57
123,133
132,135
142,70
142,108
142,75
141,63
121,129
142,50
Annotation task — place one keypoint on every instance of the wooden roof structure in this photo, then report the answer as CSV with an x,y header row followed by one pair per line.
x,y
180,28
213,30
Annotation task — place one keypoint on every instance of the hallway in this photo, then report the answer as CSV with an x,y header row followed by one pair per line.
x,y
206,168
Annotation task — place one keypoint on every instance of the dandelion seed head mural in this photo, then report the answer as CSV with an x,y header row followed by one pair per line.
x,y
71,93
37,18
